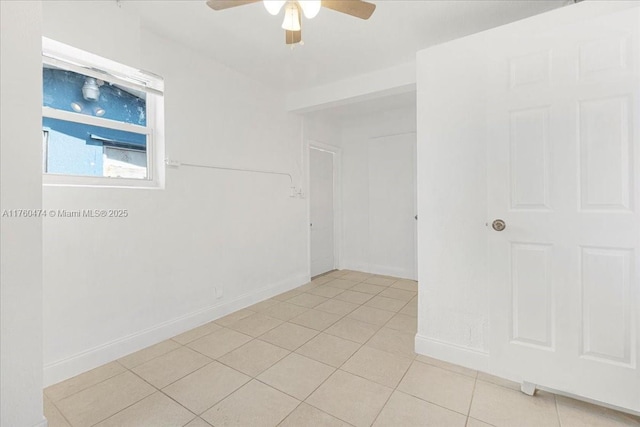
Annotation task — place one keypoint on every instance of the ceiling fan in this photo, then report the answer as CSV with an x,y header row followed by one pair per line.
x,y
294,9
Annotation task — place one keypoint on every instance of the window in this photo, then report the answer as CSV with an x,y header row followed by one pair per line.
x,y
101,120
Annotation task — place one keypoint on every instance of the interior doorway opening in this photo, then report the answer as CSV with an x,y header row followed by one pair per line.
x,y
323,204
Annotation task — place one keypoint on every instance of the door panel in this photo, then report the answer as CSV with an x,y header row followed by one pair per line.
x,y
563,132
532,295
321,206
605,156
606,318
530,158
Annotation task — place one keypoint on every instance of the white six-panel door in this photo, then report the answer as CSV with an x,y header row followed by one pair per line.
x,y
563,122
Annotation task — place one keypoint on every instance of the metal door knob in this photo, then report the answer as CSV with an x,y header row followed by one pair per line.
x,y
498,225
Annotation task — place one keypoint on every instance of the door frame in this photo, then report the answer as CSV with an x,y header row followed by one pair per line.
x,y
337,198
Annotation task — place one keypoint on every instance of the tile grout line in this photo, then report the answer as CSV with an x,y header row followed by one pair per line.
x,y
289,414
211,360
392,392
92,385
316,389
61,413
226,396
555,401
424,400
128,406
249,375
473,392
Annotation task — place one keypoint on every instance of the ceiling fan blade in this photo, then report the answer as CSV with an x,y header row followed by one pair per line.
x,y
293,37
359,9
226,4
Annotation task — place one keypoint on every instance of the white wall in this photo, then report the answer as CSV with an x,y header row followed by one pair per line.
x,y
113,286
20,238
357,132
452,194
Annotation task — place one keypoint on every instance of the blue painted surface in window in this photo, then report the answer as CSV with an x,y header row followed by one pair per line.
x,y
77,149
62,88
72,150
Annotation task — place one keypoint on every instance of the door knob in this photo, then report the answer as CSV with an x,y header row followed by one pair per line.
x,y
498,225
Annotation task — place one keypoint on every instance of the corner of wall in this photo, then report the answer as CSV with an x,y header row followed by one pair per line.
x,y
21,291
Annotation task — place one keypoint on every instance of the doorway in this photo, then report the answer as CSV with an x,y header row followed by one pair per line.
x,y
392,205
322,209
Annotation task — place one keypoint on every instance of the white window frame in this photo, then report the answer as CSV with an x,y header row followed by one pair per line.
x,y
66,57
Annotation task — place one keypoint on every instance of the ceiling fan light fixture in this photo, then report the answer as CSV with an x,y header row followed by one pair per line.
x,y
291,17
310,8
273,6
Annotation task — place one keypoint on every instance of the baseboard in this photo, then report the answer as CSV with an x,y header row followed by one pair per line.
x,y
92,358
391,271
43,423
379,269
459,355
346,265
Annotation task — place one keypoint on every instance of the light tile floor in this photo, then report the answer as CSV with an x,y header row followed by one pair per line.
x,y
335,352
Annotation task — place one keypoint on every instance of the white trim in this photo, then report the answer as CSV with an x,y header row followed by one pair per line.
x,y
55,180
458,355
391,271
81,362
337,199
68,116
377,269
83,62
43,423
355,266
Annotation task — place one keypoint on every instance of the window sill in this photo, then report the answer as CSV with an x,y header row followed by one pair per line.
x,y
52,180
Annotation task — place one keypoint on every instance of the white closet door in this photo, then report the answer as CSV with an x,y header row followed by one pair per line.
x,y
392,205
321,201
564,138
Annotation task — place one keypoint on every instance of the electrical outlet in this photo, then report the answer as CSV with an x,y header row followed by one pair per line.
x,y
297,193
218,291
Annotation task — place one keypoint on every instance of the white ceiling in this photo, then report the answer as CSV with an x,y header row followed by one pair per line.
x,y
337,46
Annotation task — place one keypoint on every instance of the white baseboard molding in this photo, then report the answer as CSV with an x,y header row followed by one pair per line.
x,y
385,270
63,369
379,269
346,265
459,355
43,423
